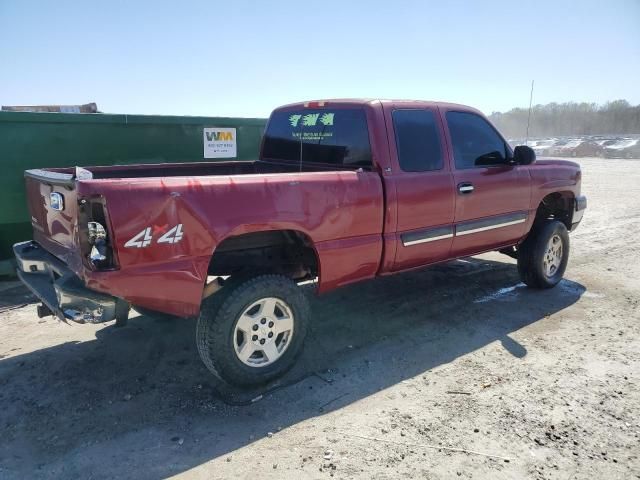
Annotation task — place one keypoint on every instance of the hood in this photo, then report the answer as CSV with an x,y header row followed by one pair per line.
x,y
553,161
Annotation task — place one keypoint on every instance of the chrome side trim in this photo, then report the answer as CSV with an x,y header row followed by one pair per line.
x,y
490,227
427,235
466,228
428,239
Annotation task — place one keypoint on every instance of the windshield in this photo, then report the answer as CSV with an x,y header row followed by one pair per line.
x,y
338,137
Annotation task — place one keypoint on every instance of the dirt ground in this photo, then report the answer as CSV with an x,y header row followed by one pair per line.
x,y
400,375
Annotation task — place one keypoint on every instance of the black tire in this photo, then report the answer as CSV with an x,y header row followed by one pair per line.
x,y
216,336
531,255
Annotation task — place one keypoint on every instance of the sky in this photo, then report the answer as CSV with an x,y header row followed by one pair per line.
x,y
244,58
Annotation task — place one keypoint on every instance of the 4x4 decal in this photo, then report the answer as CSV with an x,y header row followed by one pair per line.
x,y
145,237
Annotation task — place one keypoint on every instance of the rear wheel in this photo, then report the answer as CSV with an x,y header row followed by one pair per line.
x,y
252,331
543,256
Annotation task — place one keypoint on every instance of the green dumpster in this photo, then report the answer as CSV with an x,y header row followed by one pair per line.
x,y
37,140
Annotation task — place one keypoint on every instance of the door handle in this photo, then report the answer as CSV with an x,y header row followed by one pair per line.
x,y
465,188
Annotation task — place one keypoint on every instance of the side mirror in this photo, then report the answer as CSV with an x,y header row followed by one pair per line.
x,y
523,155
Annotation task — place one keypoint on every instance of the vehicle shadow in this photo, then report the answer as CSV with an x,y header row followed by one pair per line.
x,y
140,396
14,294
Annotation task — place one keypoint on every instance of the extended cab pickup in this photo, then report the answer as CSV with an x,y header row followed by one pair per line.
x,y
343,191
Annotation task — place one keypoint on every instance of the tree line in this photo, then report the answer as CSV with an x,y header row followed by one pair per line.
x,y
561,119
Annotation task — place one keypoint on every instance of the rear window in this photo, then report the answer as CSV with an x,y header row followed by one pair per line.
x,y
330,137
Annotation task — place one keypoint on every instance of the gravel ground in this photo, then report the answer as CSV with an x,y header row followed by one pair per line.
x,y
457,371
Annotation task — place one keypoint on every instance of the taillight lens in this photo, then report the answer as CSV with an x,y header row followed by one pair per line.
x,y
95,242
98,241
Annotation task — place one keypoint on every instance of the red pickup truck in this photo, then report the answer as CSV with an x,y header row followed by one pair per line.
x,y
343,191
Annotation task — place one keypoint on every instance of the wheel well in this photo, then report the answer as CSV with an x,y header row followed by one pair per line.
x,y
287,252
557,206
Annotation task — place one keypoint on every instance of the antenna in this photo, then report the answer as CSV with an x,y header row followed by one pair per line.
x,y
529,117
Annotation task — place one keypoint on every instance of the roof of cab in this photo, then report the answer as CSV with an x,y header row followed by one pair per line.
x,y
373,101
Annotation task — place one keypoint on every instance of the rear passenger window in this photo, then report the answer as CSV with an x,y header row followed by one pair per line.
x,y
475,142
417,140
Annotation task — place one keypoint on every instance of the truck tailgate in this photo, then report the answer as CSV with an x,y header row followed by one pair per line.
x,y
53,206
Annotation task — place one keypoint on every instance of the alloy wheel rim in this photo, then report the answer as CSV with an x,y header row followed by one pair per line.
x,y
553,256
263,332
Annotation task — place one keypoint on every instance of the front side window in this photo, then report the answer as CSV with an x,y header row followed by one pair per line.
x,y
417,140
338,137
475,142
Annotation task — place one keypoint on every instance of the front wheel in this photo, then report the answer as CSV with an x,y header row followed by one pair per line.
x,y
252,332
543,256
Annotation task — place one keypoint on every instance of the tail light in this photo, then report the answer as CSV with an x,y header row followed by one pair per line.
x,y
316,104
95,242
98,241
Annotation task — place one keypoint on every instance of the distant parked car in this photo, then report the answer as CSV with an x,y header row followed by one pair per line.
x,y
578,148
610,141
629,148
543,147
558,146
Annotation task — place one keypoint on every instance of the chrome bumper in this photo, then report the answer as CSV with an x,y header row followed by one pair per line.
x,y
578,211
60,290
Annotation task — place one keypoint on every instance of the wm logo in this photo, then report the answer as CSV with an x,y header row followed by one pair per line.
x,y
219,136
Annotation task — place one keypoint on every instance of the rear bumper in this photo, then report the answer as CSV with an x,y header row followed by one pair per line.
x,y
61,290
580,206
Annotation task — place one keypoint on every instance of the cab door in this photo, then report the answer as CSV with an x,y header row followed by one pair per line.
x,y
423,186
493,196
